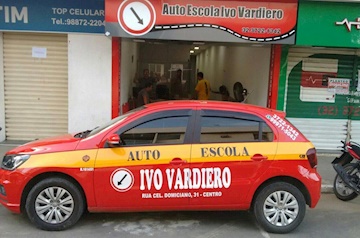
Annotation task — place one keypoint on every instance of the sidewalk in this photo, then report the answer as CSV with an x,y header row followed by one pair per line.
x,y
325,168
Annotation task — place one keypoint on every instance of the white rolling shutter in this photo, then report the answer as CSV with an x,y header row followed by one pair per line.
x,y
36,85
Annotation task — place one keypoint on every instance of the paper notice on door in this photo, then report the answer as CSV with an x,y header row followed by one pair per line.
x,y
39,52
339,86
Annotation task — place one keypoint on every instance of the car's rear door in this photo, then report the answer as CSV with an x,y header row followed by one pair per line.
x,y
149,171
230,151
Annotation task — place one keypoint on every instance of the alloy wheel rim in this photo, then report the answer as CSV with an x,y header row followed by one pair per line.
x,y
54,205
281,208
342,188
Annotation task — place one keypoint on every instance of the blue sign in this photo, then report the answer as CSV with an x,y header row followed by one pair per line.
x,y
85,16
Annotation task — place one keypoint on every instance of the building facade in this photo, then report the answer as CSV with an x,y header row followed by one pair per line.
x,y
71,65
56,68
319,85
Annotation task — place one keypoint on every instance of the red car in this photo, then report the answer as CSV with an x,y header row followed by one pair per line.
x,y
174,155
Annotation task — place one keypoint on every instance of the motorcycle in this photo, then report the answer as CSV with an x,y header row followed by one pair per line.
x,y
347,180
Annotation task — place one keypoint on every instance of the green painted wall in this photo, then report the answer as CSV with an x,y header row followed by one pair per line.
x,y
317,24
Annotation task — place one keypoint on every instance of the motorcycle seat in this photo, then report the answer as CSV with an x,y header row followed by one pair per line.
x,y
355,147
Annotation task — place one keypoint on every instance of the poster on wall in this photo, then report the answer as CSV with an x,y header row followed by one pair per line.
x,y
199,20
314,87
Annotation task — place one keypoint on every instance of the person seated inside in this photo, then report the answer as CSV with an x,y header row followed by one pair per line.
x,y
225,95
143,97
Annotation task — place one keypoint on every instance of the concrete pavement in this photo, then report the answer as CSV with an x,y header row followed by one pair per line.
x,y
326,170
324,163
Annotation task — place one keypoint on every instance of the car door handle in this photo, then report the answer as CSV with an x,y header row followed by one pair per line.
x,y
259,157
177,161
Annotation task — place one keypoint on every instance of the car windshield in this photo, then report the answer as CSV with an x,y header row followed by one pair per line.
x,y
113,121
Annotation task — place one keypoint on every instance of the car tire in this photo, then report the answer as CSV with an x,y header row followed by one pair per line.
x,y
54,204
279,207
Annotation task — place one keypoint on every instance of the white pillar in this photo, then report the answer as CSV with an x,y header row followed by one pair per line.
x,y
2,90
89,82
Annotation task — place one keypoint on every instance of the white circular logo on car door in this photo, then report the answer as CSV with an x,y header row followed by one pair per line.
x,y
122,180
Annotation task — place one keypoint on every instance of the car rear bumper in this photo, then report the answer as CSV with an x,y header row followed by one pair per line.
x,y
314,189
300,174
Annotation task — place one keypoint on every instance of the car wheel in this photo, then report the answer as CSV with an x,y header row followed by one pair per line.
x,y
54,204
279,207
341,190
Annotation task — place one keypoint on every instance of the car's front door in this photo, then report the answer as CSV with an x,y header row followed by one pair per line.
x,y
149,170
230,151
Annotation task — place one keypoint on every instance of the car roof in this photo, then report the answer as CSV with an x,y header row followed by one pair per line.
x,y
211,104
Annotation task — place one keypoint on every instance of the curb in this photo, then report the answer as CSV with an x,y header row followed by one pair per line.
x,y
326,188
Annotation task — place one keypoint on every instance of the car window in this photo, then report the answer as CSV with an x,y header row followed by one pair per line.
x,y
113,121
169,130
225,129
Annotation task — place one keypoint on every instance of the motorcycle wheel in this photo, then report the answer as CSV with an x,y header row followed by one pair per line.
x,y
341,190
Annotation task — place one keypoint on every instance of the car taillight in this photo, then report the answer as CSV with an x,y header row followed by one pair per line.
x,y
312,157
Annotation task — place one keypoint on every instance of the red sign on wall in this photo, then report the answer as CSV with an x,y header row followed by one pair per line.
x,y
316,79
228,21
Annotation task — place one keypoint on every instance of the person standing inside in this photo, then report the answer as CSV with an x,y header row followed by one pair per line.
x,y
176,85
203,87
144,95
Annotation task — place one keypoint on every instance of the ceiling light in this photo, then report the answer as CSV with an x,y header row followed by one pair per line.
x,y
192,52
138,40
196,47
198,43
257,45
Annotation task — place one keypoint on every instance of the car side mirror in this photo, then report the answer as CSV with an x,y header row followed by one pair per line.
x,y
113,140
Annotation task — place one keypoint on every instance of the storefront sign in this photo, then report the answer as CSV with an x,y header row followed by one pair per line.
x,y
335,24
348,24
227,21
52,16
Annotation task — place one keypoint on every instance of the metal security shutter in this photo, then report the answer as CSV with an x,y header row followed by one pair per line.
x,y
354,123
310,105
36,89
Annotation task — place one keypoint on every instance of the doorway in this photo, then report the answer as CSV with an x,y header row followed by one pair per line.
x,y
222,64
